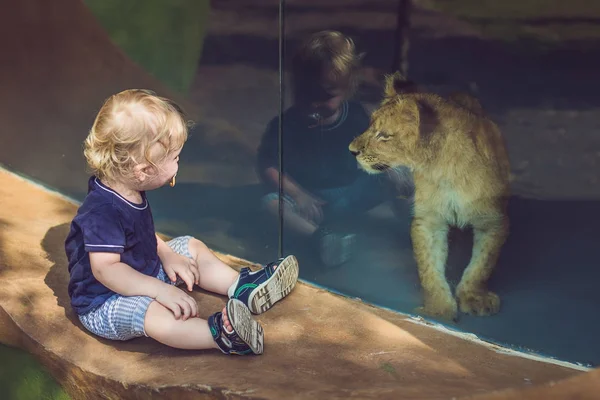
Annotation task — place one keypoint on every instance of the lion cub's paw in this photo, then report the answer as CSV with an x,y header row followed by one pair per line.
x,y
444,308
480,303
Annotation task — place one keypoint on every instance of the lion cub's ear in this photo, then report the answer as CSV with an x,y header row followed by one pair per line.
x,y
420,115
410,113
428,119
397,84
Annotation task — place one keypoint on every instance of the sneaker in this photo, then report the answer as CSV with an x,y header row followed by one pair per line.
x,y
335,249
246,336
261,289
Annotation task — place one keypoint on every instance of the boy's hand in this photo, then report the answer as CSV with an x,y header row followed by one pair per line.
x,y
177,265
310,206
176,300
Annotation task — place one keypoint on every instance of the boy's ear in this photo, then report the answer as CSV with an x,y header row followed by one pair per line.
x,y
142,171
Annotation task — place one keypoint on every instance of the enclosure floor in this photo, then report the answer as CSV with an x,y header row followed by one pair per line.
x,y
547,277
318,345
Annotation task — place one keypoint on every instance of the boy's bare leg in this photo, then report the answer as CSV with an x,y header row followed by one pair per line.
x,y
215,275
191,334
293,220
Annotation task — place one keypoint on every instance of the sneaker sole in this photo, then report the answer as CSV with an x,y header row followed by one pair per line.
x,y
249,330
337,251
276,287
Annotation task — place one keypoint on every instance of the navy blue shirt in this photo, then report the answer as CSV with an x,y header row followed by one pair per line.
x,y
107,222
315,157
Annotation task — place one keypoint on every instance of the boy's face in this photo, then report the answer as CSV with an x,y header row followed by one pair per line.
x,y
167,169
322,99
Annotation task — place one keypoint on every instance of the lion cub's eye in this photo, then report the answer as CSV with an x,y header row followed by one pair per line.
x,y
382,136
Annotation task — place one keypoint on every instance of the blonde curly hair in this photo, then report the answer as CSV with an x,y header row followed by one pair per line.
x,y
127,130
330,57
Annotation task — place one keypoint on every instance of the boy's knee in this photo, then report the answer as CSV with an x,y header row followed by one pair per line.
x,y
272,206
195,246
158,319
270,203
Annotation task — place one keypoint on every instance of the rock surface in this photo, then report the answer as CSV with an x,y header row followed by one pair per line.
x,y
580,387
318,345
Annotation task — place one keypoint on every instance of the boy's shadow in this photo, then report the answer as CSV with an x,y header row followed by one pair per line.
x,y
57,279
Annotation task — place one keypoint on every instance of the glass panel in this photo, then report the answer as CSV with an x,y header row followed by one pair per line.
x,y
235,89
521,68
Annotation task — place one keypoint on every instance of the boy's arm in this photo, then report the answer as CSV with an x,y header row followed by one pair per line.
x,y
174,265
162,248
290,187
121,278
267,155
126,281
307,202
267,160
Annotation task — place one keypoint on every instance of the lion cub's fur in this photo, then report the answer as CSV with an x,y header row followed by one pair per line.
x,y
461,174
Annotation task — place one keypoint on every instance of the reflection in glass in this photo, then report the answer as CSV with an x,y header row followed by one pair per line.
x,y
530,67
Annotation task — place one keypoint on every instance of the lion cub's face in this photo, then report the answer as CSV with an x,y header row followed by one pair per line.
x,y
395,134
392,137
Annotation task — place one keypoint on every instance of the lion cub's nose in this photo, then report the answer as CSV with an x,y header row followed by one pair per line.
x,y
354,148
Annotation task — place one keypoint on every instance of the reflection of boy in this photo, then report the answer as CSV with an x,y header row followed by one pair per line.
x,y
321,179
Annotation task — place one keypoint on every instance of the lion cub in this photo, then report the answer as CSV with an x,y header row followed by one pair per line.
x,y
461,174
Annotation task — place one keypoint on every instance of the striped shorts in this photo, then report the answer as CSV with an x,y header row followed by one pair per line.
x,y
121,317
